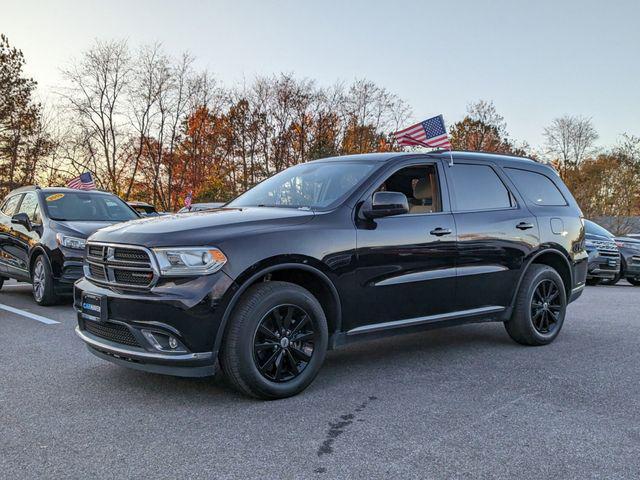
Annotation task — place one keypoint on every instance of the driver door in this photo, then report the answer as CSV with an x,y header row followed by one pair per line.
x,y
22,239
406,263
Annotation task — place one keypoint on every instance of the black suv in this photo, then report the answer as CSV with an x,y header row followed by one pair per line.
x,y
330,252
43,233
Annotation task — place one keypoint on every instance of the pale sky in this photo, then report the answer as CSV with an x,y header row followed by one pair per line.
x,y
535,59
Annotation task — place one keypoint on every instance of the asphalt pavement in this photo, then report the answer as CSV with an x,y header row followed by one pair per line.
x,y
463,402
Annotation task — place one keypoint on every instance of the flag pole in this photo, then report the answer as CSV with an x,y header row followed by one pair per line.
x,y
450,153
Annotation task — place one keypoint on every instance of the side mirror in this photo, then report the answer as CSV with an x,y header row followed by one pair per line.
x,y
22,219
385,204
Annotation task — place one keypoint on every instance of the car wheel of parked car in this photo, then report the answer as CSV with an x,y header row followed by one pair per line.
x,y
540,307
1,282
42,282
612,281
593,281
634,281
276,341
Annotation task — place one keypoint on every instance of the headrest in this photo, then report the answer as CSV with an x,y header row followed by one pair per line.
x,y
422,189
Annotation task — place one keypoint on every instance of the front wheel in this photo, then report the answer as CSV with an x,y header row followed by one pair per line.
x,y
612,281
276,341
634,281
540,307
42,283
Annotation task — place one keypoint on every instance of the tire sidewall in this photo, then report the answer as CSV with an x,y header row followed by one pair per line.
x,y
249,324
546,274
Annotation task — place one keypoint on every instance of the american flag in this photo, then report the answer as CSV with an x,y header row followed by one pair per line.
x,y
429,133
82,182
188,199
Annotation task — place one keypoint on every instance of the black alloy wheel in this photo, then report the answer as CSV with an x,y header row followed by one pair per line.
x,y
284,343
276,340
540,307
546,306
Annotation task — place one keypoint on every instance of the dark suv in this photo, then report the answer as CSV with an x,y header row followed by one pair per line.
x,y
330,252
43,233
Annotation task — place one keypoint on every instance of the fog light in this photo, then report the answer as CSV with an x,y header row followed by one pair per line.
x,y
163,342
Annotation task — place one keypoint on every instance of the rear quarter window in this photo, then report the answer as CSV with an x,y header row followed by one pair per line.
x,y
537,188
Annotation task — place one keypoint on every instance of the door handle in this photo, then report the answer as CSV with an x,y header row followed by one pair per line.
x,y
438,232
524,226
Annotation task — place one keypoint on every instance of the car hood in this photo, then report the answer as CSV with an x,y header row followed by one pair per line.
x,y
80,229
603,238
200,228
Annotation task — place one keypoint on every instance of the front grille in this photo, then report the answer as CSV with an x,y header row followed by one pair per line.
x,y
132,277
130,255
606,248
97,272
120,266
113,332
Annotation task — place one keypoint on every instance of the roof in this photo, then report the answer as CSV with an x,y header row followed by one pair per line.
x,y
457,154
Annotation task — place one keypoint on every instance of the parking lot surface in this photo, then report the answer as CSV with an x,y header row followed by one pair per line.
x,y
462,402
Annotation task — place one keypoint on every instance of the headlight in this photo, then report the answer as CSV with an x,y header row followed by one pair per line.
x,y
187,261
71,242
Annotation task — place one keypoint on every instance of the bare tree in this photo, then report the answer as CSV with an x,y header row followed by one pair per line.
x,y
95,97
569,140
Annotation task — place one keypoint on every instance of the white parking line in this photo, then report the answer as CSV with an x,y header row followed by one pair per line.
x,y
30,315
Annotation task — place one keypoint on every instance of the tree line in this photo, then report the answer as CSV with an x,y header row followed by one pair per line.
x,y
153,127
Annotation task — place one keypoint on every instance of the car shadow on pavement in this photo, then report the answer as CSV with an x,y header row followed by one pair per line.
x,y
341,367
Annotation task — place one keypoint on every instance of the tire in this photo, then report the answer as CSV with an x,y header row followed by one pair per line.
x,y
42,282
593,281
634,281
2,279
613,280
525,326
259,353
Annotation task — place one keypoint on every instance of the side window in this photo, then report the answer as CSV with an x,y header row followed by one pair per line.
x,y
30,206
478,187
10,205
536,187
420,185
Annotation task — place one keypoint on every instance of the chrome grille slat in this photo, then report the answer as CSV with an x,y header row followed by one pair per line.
x,y
124,266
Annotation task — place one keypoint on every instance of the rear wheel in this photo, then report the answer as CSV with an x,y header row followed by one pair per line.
x,y
634,281
42,282
276,341
540,307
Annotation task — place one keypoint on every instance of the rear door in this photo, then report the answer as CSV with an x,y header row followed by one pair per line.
x,y
495,234
406,263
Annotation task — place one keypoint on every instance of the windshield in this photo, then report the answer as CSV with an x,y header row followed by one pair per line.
x,y
595,229
88,207
312,185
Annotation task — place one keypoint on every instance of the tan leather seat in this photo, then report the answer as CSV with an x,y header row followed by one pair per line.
x,y
422,191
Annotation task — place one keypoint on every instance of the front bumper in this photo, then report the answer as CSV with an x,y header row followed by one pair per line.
x,y
133,329
601,266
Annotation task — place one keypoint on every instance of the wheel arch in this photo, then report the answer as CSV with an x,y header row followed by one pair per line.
x,y
299,272
555,259
35,253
